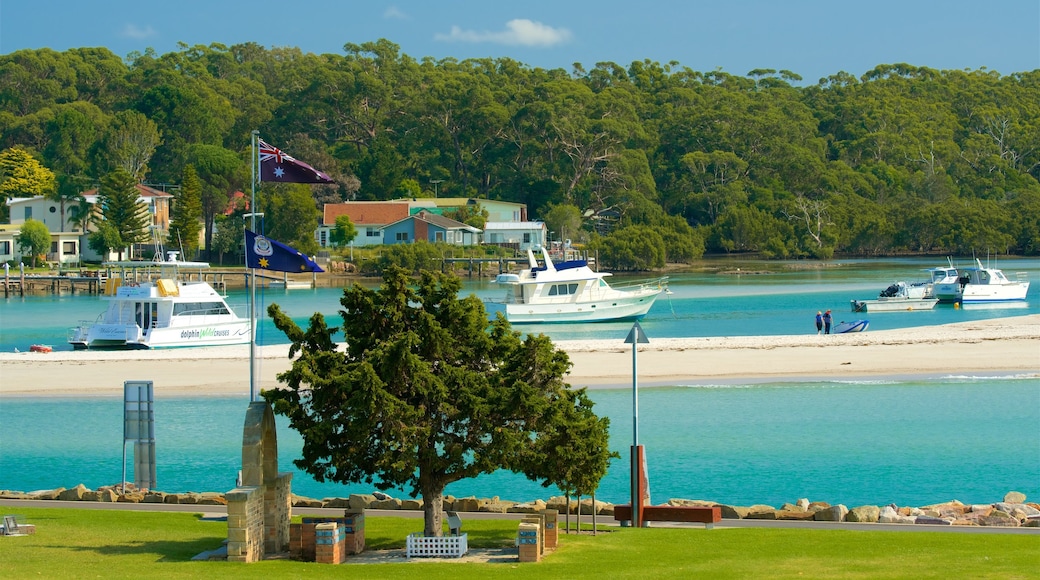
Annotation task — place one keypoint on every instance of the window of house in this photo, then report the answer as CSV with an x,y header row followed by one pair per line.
x,y
401,236
372,232
68,247
54,247
53,209
451,237
5,248
28,213
527,237
438,236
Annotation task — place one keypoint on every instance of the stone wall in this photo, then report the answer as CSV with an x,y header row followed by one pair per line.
x,y
245,509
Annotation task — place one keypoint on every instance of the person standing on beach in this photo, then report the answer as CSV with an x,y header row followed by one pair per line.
x,y
827,322
819,322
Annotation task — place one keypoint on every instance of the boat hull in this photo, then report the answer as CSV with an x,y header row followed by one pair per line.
x,y
894,304
852,326
115,336
631,308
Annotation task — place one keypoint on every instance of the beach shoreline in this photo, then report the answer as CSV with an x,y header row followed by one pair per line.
x,y
999,346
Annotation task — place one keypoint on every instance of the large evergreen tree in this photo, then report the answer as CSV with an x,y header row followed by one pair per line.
x,y
426,393
185,221
120,207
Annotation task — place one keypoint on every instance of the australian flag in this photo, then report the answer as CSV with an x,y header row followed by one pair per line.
x,y
266,254
275,165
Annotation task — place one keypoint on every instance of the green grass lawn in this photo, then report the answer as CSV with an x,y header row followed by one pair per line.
x,y
71,543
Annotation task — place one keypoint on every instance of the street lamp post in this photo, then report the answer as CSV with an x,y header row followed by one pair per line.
x,y
435,183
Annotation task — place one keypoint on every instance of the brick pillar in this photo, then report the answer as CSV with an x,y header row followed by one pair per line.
x,y
528,538
552,532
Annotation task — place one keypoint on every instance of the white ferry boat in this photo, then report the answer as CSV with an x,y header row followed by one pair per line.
x,y
162,313
572,292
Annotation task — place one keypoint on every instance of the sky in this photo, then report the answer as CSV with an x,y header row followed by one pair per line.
x,y
812,38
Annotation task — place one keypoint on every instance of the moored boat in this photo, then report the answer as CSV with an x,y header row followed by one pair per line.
x,y
982,284
572,292
898,297
161,313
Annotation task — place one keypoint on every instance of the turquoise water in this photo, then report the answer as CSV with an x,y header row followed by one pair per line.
x,y
905,442
774,301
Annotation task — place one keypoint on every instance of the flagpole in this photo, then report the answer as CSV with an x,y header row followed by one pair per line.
x,y
252,274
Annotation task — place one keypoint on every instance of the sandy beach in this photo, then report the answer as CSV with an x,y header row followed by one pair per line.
x,y
987,347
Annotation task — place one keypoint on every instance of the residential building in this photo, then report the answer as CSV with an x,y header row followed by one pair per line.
x,y
430,227
517,235
368,217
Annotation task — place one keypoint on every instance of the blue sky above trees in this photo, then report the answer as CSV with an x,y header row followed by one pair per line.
x,y
813,38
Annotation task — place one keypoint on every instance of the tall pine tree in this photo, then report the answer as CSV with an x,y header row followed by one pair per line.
x,y
185,222
120,207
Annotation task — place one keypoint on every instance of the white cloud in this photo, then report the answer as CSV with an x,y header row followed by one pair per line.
x,y
395,13
135,31
518,32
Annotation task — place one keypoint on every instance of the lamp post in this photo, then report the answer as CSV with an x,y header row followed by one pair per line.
x,y
435,183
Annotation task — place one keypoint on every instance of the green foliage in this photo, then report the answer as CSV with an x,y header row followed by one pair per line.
x,y
21,175
730,155
427,393
229,237
472,215
631,248
185,221
121,209
289,215
344,232
564,220
34,238
421,255
104,239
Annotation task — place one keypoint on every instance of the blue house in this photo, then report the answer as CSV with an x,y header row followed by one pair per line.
x,y
430,227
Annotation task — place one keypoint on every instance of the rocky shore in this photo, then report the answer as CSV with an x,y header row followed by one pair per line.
x,y
1012,511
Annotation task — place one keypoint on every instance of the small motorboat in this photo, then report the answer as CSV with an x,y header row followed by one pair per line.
x,y
851,326
40,348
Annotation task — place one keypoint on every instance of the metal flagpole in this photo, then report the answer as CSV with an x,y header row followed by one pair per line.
x,y
252,276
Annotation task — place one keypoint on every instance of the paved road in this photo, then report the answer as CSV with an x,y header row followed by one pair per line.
x,y
220,511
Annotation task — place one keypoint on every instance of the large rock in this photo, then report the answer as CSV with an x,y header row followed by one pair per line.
x,y
733,512
342,502
107,495
761,512
864,513
531,507
306,502
46,493
932,520
835,513
413,504
74,494
690,502
467,504
803,503
214,498
999,518
795,514
1014,497
390,503
1017,510
360,501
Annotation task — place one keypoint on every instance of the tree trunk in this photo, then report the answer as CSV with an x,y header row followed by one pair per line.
x,y
594,510
567,517
577,517
433,512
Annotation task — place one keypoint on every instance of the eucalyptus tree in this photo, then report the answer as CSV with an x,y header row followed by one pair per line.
x,y
221,172
426,393
129,144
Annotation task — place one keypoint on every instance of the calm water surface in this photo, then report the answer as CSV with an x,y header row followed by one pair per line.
x,y
905,442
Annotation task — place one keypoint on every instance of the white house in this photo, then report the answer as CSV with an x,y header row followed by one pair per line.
x,y
521,235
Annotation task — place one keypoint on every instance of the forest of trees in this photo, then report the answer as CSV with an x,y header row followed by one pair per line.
x,y
903,159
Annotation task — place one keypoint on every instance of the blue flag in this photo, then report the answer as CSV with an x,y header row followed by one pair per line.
x,y
266,254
